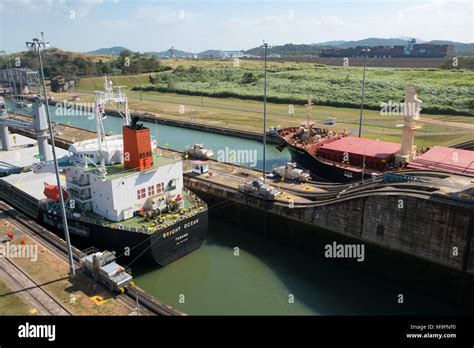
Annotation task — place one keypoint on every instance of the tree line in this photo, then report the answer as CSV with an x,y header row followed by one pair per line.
x,y
75,65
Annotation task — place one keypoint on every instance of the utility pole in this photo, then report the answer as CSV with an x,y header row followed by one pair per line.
x,y
36,45
362,94
265,47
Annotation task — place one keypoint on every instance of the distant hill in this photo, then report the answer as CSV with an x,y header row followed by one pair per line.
x,y
292,50
289,50
167,54
219,54
365,42
112,51
330,43
203,54
407,38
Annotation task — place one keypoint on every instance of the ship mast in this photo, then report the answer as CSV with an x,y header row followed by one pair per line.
x,y
103,98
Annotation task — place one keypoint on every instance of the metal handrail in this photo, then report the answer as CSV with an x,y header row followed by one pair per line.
x,y
147,230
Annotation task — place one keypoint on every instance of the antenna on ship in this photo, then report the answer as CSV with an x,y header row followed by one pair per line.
x,y
37,45
111,94
265,47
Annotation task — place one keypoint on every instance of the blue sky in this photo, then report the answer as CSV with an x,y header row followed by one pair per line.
x,y
197,25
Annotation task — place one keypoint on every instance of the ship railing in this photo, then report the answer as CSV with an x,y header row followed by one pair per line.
x,y
146,230
195,197
109,224
102,223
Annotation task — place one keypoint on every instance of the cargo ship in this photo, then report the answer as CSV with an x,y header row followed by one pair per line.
x,y
339,157
121,192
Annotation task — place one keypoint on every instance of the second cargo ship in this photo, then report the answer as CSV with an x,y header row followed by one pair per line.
x,y
339,157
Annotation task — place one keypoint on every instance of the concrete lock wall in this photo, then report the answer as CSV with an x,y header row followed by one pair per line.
x,y
415,248
427,229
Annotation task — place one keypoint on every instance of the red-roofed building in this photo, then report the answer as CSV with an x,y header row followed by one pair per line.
x,y
447,159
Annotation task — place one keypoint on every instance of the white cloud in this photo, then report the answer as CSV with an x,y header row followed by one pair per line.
x,y
160,25
330,21
157,14
57,7
438,19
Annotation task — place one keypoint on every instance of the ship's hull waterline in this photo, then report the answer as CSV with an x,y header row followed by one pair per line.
x,y
161,247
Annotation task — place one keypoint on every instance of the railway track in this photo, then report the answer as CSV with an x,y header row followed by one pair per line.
x,y
40,302
149,305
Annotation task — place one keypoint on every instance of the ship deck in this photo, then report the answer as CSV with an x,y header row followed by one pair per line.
x,y
32,184
21,155
140,224
445,158
119,170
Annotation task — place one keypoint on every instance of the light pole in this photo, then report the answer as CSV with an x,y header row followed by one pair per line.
x,y
265,47
363,91
36,45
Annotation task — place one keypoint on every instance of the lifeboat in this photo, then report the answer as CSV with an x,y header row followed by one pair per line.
x,y
52,192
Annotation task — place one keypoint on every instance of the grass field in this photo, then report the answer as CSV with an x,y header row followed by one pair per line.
x,y
247,114
443,91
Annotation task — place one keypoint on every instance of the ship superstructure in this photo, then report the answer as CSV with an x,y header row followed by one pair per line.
x,y
131,180
120,191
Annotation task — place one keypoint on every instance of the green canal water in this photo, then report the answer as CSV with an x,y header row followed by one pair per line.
x,y
177,138
266,276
